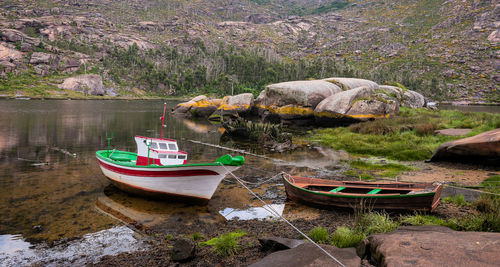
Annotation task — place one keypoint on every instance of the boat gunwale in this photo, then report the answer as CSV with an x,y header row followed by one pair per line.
x,y
338,194
133,165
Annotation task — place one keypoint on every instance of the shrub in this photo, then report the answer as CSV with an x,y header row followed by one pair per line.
x,y
344,237
318,234
424,129
226,245
197,236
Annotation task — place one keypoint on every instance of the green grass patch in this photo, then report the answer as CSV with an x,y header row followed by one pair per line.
x,y
458,200
375,222
406,137
344,237
226,244
422,219
318,235
197,236
385,170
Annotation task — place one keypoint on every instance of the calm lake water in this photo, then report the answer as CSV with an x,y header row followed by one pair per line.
x,y
51,186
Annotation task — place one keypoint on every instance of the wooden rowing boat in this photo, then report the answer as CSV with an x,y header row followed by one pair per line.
x,y
352,194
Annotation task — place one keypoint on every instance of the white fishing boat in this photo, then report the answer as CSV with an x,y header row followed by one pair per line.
x,y
159,169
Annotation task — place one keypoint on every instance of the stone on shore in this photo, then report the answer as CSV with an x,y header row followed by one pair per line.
x,y
431,245
234,106
205,107
309,255
88,84
279,243
453,132
294,100
484,148
183,108
359,104
184,250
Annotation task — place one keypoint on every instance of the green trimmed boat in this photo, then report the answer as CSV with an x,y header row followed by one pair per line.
x,y
352,194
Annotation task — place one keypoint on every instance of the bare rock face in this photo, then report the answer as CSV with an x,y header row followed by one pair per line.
x,y
9,54
484,148
359,104
309,255
89,84
183,108
184,250
351,83
41,58
431,246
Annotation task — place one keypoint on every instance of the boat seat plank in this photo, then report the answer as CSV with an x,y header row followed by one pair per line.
x,y
374,191
338,189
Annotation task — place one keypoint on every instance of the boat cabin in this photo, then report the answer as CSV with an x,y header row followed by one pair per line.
x,y
162,151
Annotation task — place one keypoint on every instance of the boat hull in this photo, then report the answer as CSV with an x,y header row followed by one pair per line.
x,y
181,182
424,201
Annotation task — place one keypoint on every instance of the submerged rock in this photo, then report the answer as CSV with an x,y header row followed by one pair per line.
x,y
484,148
431,245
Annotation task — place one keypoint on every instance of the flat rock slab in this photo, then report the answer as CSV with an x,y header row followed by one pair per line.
x,y
310,255
453,132
279,243
432,246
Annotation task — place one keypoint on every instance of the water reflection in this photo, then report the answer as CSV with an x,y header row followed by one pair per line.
x,y
272,211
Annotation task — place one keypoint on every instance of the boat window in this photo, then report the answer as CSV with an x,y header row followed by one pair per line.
x,y
154,145
171,156
181,156
163,146
162,156
172,147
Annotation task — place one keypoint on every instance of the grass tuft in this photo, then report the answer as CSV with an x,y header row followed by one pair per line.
x,y
344,237
458,200
318,235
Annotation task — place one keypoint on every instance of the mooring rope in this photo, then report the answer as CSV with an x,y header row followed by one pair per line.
x,y
277,214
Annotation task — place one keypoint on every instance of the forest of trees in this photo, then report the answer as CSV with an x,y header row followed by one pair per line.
x,y
227,69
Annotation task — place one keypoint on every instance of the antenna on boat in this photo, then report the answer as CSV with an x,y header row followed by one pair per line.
x,y
109,140
163,119
149,145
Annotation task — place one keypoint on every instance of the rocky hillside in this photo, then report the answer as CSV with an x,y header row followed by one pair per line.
x,y
446,50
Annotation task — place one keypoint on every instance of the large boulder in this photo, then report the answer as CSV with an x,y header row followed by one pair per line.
x,y
351,83
484,148
88,84
204,107
359,104
431,246
234,106
310,255
301,93
183,108
407,98
295,100
412,99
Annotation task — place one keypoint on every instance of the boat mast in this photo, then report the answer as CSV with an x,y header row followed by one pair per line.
x,y
163,120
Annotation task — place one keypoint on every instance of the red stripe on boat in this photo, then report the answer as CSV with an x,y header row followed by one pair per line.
x,y
154,173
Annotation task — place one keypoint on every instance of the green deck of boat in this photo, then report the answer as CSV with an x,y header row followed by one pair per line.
x,y
338,189
128,159
374,191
